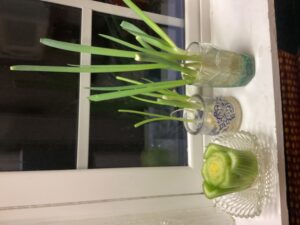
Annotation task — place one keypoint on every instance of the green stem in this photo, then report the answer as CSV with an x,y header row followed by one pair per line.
x,y
132,27
161,119
148,49
87,49
150,22
144,44
155,42
128,80
142,113
165,103
167,94
144,88
142,57
158,117
163,92
180,104
89,69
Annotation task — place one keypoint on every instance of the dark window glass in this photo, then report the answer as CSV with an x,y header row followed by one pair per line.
x,y
114,142
38,111
174,8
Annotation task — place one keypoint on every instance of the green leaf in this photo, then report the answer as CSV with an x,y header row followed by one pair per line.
x,y
161,44
130,26
89,69
114,88
121,42
143,57
150,22
143,89
147,100
144,44
170,94
167,94
87,49
179,103
147,49
142,113
158,117
128,80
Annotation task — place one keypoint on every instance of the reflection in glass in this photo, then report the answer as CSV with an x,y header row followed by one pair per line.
x,y
114,142
38,111
174,8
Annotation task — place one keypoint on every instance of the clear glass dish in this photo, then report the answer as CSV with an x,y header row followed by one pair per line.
x,y
250,202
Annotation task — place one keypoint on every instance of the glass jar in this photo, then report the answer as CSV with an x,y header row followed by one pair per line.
x,y
215,116
220,68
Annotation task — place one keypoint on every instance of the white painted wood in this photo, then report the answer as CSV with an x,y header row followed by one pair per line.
x,y
249,26
84,93
192,34
192,20
205,34
165,210
282,209
28,189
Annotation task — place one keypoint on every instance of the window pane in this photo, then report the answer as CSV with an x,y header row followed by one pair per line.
x,y
173,8
38,111
114,142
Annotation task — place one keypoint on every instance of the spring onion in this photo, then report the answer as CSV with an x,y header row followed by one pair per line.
x,y
160,51
147,53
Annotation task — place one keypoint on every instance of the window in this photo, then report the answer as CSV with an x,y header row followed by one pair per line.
x,y
80,21
38,110
114,142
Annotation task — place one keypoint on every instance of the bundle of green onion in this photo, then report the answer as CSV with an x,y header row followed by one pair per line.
x,y
156,95
227,170
148,54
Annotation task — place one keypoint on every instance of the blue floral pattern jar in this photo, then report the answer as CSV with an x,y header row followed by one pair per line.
x,y
217,115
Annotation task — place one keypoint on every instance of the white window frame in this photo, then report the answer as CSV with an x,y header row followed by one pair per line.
x,y
80,196
81,192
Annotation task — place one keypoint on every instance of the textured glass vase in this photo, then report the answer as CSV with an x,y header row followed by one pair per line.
x,y
220,68
262,194
216,115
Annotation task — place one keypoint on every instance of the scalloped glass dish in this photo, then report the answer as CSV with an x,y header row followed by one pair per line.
x,y
250,202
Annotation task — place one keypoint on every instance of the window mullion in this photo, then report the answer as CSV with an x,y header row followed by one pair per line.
x,y
119,11
128,13
84,104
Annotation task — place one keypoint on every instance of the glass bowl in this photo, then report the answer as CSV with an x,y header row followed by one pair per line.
x,y
250,202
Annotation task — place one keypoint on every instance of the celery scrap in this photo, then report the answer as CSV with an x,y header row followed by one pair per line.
x,y
227,170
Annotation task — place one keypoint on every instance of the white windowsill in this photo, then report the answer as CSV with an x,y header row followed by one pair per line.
x,y
249,26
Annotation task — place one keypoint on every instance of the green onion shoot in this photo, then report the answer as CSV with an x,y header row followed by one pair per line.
x,y
161,93
148,52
